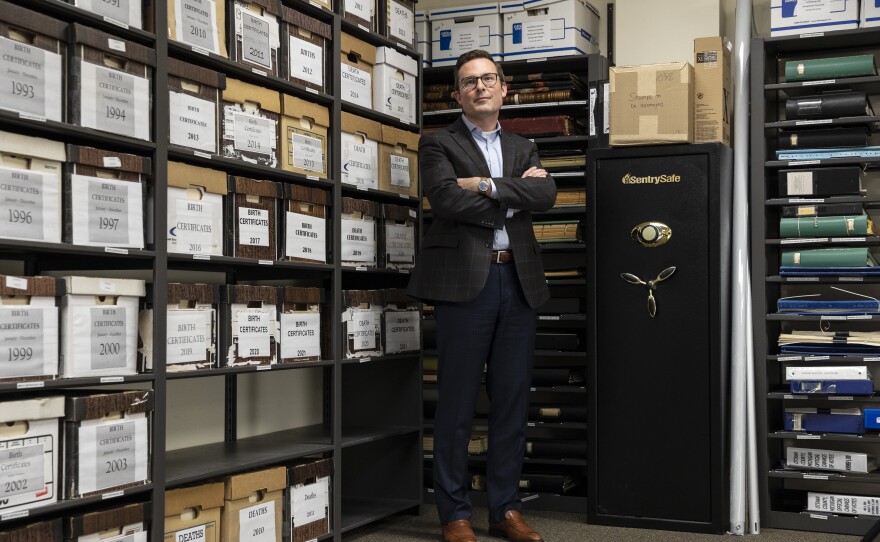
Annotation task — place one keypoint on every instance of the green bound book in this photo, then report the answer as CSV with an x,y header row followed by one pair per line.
x,y
828,257
820,226
830,68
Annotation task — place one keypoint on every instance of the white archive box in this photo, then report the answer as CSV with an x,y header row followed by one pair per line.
x,y
360,151
29,452
792,17
548,28
30,188
191,328
870,15
195,209
28,328
99,326
257,35
395,82
455,31
423,37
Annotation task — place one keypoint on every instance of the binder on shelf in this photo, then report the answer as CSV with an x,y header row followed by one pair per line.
x,y
305,49
194,106
832,306
191,328
822,210
850,505
181,505
253,211
829,181
829,105
195,210
557,413
824,154
827,226
830,68
828,460
29,328
257,42
130,522
306,215
832,387
252,316
872,418
845,136
833,372
829,257
200,24
304,136
304,325
250,117
556,448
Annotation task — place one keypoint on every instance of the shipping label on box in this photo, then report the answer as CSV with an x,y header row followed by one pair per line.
x,y
455,31
195,222
106,212
127,12
197,24
30,205
549,28
34,80
257,36
114,101
790,17
28,327
113,453
713,101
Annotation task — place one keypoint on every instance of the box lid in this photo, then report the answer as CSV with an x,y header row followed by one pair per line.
x,y
370,128
198,74
397,212
182,175
352,298
36,408
104,520
398,296
397,60
101,158
246,293
240,92
306,194
240,486
463,11
33,147
367,207
88,407
350,44
307,471
112,45
294,294
102,287
522,5
205,496
272,6
36,286
254,187
396,136
200,293
44,531
292,106
422,14
301,20
30,20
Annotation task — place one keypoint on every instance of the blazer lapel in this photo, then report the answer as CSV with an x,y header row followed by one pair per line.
x,y
508,154
465,140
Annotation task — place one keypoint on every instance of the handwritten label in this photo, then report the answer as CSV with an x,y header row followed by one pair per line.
x,y
253,227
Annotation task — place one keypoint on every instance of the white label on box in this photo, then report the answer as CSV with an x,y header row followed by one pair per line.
x,y
187,336
301,335
29,205
22,470
193,534
360,8
28,341
400,243
306,61
123,11
193,225
114,101
401,22
116,45
193,122
129,536
257,523
535,34
358,240
308,502
196,24
358,165
107,286
399,103
308,154
32,79
253,227
112,453
107,212
16,282
357,86
306,237
252,330
362,328
111,161
253,134
400,171
800,183
465,37
401,331
255,38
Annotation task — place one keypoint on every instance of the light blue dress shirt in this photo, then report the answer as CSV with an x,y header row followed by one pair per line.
x,y
489,144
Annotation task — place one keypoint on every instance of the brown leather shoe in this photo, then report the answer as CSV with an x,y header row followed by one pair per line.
x,y
458,531
514,529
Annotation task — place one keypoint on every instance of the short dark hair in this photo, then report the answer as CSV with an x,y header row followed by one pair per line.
x,y
473,55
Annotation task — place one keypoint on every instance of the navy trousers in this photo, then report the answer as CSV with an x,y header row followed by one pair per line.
x,y
496,328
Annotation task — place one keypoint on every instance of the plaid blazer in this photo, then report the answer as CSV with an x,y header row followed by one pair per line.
x,y
453,263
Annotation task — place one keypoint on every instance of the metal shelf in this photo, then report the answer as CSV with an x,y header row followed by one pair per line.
x,y
69,12
240,167
869,84
375,38
573,504
561,211
219,263
512,107
527,460
376,194
379,117
357,512
356,435
866,438
830,399
225,371
829,199
14,246
868,162
380,359
71,133
824,279
71,505
825,123
871,240
824,359
64,383
822,475
777,317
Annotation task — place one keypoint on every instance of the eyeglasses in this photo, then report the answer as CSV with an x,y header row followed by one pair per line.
x,y
467,84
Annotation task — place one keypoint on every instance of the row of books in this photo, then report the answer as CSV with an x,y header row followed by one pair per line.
x,y
521,89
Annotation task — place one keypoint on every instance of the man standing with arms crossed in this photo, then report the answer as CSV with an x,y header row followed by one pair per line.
x,y
481,267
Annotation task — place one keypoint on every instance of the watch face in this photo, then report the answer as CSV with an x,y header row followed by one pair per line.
x,y
483,185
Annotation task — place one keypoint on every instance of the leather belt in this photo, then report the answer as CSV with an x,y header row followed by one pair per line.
x,y
501,256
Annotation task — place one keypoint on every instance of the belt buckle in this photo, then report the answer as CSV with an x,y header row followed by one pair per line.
x,y
498,256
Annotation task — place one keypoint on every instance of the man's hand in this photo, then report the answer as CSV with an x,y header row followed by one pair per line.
x,y
470,183
534,172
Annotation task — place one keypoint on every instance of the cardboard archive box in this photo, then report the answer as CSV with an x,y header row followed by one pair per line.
x,y
457,30
252,316
358,232
548,28
395,84
107,442
127,523
250,123
361,13
99,326
399,224
652,104
305,141
195,512
360,151
44,531
28,328
423,37
30,188
401,323
29,452
399,162
253,506
191,328
358,59
713,99
309,495
870,14
104,198
306,211
305,44
31,60
110,81
194,102
400,22
301,338
195,210
791,17
258,35
200,24
129,14
253,213
362,323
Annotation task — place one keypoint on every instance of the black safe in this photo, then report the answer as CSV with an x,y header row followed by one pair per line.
x,y
659,227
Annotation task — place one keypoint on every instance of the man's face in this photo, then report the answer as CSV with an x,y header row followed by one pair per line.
x,y
480,101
